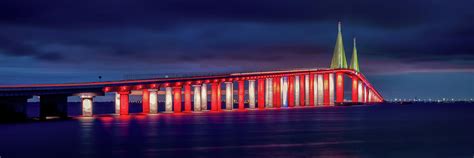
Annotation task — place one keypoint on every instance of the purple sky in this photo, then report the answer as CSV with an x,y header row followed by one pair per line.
x,y
407,48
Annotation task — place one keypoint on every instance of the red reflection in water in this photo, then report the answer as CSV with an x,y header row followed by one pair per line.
x,y
106,119
140,117
124,117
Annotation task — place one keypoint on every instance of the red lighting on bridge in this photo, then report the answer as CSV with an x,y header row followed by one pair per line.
x,y
273,89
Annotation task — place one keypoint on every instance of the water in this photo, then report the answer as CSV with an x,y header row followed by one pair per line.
x,y
416,130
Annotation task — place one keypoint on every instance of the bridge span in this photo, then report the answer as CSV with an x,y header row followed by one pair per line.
x,y
257,90
269,89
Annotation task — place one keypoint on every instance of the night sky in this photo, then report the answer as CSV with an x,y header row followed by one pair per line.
x,y
407,48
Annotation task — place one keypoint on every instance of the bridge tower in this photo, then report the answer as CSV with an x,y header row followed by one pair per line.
x,y
354,65
339,56
338,62
356,83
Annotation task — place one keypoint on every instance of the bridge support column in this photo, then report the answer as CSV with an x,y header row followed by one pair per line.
x,y
219,97
360,92
241,92
269,93
320,89
370,97
53,105
311,90
117,103
331,89
271,102
284,91
168,100
229,103
252,94
339,88
274,92
355,85
197,97
146,101
302,90
124,102
306,90
266,92
315,89
297,91
204,96
177,99
291,91
187,98
326,89
277,90
365,94
261,93
13,108
214,96
153,101
87,105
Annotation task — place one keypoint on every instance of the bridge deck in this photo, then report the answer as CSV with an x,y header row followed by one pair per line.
x,y
68,88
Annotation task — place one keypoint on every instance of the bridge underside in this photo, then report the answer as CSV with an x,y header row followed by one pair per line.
x,y
53,106
13,108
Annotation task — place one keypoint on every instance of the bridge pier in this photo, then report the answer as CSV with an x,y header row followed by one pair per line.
x,y
13,108
204,96
315,89
331,88
359,91
370,97
177,99
117,103
302,90
251,92
284,91
365,94
306,90
355,89
326,89
153,101
87,105
214,89
53,105
320,96
297,91
145,101
339,88
124,102
197,97
311,90
219,97
261,93
241,93
168,100
291,91
229,103
187,97
276,92
269,93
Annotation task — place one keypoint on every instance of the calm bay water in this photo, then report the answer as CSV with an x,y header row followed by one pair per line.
x,y
415,130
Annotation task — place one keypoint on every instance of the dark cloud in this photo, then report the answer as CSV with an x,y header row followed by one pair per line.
x,y
214,35
149,13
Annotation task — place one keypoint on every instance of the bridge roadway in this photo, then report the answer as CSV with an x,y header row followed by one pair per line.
x,y
53,97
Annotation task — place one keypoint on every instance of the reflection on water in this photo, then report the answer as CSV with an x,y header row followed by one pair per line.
x,y
86,137
366,131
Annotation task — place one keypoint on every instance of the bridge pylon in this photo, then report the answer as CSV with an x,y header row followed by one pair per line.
x,y
339,56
